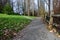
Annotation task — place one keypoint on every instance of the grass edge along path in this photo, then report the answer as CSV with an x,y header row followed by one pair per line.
x,y
10,24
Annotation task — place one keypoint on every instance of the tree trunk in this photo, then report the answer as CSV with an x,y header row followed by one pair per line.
x,y
33,7
28,7
24,7
38,7
49,7
18,5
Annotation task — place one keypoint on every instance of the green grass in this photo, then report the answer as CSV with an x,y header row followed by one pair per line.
x,y
13,23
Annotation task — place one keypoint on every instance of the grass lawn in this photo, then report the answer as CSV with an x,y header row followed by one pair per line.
x,y
10,24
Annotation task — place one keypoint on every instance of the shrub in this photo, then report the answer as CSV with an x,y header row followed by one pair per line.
x,y
8,9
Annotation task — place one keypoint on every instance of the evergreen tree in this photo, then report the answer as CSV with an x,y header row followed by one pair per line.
x,y
8,9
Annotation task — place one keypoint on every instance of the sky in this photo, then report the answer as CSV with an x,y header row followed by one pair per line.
x,y
36,1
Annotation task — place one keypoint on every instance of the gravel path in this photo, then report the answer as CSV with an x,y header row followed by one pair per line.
x,y
36,30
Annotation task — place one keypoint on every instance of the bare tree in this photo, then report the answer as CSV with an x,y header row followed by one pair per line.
x,y
49,7
28,7
18,5
38,1
24,7
32,7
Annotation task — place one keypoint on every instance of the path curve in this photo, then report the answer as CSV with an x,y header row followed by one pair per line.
x,y
36,30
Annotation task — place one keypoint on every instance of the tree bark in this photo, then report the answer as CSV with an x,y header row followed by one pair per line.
x,y
33,7
49,7
24,7
38,7
28,7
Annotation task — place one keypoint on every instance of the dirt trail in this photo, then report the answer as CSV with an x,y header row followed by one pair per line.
x,y
36,30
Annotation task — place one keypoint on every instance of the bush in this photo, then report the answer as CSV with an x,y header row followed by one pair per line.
x,y
8,9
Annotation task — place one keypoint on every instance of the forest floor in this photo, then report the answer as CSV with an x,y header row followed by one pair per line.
x,y
36,30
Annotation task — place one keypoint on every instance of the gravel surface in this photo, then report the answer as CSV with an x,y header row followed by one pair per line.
x,y
36,30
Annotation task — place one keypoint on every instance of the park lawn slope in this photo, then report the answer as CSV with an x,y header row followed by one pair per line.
x,y
10,24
